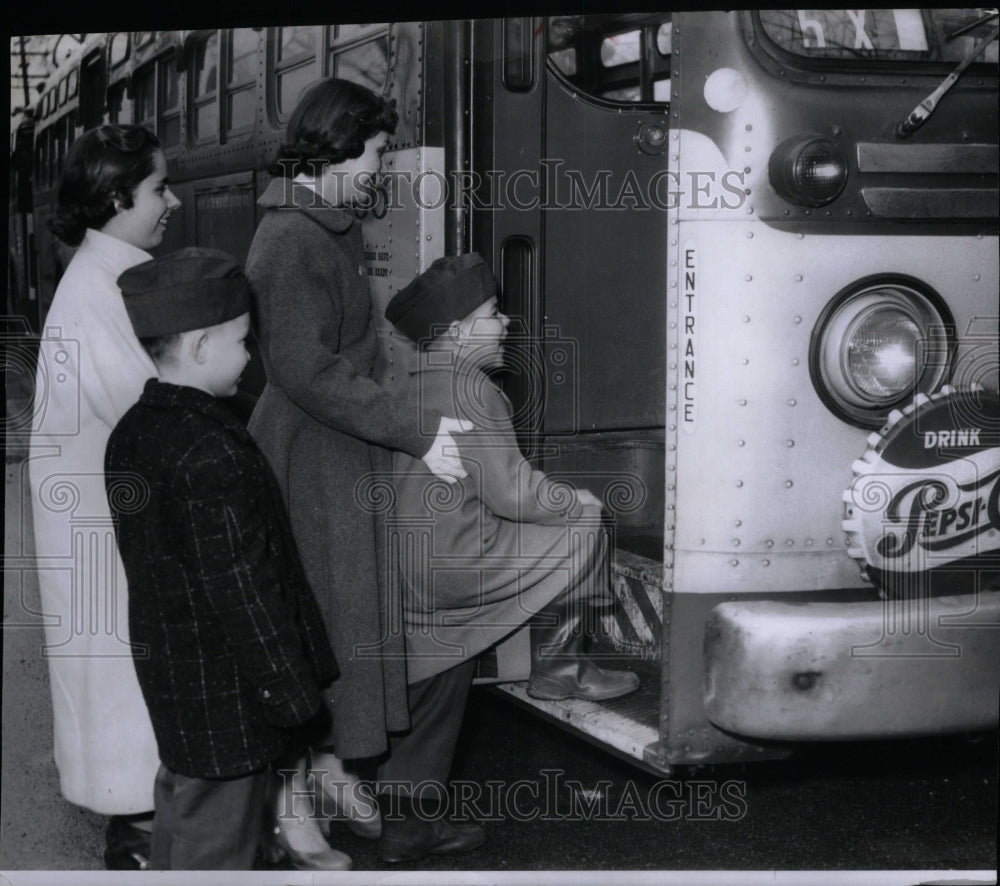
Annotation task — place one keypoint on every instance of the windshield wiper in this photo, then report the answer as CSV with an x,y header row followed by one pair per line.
x,y
921,112
958,32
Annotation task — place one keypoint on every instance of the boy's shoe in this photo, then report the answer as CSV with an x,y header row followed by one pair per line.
x,y
416,835
560,668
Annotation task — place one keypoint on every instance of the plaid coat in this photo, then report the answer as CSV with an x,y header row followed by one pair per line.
x,y
230,649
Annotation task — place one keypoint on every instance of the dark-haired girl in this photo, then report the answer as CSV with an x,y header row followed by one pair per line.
x,y
325,424
114,203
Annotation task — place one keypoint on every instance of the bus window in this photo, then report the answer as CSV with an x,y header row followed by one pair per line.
x,y
876,34
72,82
62,91
57,151
294,66
118,50
623,59
143,37
169,113
41,168
92,86
70,129
116,98
203,89
366,64
144,96
241,79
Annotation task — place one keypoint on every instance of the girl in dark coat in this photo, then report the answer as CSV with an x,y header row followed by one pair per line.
x,y
324,424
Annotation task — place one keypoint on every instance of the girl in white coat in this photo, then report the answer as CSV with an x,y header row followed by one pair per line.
x,y
114,204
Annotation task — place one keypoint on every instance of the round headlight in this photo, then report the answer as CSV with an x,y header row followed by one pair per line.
x,y
876,345
808,169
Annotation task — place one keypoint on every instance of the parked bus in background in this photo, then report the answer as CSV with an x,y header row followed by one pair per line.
x,y
751,258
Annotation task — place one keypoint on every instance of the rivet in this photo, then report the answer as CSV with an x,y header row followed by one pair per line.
x,y
739,484
793,402
746,319
809,542
746,361
795,361
769,543
829,541
741,443
798,278
790,443
736,542
976,277
701,541
739,523
749,235
789,543
673,387
789,484
766,562
798,319
800,236
749,128
735,562
742,402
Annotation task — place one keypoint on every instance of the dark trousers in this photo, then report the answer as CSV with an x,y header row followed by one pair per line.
x,y
203,824
424,754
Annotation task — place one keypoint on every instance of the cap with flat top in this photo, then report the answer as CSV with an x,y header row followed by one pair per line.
x,y
450,289
193,288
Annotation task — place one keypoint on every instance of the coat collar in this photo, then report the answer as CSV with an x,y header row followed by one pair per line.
x,y
282,192
116,255
162,395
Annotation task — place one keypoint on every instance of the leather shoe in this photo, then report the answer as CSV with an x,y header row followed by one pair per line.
x,y
416,835
127,848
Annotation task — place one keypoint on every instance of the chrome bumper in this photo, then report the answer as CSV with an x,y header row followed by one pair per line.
x,y
823,671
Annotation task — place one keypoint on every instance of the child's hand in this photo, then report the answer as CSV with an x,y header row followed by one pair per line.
x,y
442,459
585,497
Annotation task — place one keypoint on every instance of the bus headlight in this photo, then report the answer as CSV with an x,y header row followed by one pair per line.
x,y
808,169
877,344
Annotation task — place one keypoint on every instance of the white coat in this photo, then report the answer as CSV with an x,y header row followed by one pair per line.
x,y
91,369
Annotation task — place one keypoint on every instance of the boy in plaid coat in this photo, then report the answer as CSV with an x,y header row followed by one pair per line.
x,y
228,643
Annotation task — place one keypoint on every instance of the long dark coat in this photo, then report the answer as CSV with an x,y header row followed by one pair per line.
x,y
231,648
479,558
326,428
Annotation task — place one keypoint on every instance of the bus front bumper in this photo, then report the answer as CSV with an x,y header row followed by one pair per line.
x,y
854,670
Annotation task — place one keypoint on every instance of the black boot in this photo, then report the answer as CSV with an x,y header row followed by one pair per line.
x,y
411,831
560,668
126,847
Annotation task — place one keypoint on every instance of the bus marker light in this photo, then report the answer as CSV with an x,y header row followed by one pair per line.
x,y
809,170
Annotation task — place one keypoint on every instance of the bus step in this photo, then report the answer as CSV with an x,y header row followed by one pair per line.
x,y
624,726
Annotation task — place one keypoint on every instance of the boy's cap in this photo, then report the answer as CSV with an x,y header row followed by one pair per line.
x,y
192,288
450,289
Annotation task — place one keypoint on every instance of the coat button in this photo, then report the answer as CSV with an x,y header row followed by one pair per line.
x,y
265,694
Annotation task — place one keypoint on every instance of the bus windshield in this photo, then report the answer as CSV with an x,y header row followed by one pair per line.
x,y
922,35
